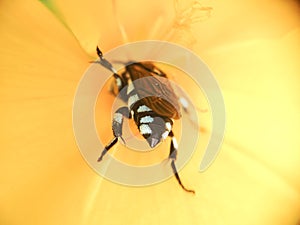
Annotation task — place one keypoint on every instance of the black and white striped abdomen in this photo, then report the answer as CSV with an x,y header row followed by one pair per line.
x,y
150,124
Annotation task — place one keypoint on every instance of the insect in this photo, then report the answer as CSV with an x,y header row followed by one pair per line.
x,y
151,103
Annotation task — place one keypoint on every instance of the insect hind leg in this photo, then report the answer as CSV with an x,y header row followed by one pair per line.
x,y
173,156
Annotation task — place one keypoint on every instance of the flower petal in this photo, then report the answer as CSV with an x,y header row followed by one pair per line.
x,y
102,22
41,64
45,181
260,84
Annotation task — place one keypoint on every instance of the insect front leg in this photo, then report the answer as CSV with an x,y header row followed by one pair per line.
x,y
184,104
173,156
117,127
120,82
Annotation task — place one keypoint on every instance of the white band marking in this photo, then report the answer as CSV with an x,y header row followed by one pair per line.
x,y
132,99
146,119
143,108
174,142
145,129
118,117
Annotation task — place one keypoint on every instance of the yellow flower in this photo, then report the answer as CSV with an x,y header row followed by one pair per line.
x,y
253,49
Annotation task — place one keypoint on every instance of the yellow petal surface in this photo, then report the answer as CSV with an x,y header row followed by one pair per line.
x,y
41,64
106,22
254,180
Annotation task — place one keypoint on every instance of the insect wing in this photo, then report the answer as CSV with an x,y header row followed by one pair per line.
x,y
155,91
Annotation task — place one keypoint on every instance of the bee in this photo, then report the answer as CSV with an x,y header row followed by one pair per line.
x,y
151,103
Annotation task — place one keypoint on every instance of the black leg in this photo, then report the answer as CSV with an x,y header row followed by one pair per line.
x,y
104,62
172,156
120,82
107,147
117,126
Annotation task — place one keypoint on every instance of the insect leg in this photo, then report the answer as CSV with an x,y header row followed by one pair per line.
x,y
117,126
107,147
173,156
120,81
184,104
104,62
